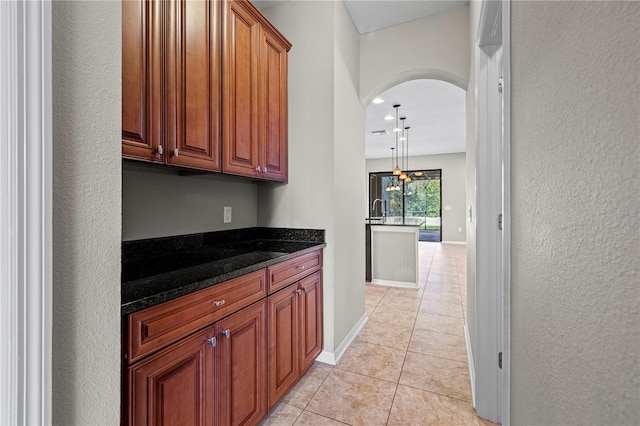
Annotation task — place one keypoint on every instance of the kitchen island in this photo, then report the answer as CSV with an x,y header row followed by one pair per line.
x,y
392,251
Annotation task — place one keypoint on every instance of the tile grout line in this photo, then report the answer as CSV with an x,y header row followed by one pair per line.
x,y
393,400
444,257
316,391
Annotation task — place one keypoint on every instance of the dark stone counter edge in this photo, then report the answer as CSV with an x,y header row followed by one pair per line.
x,y
392,224
156,299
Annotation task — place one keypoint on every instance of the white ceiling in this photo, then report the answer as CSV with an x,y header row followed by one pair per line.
x,y
435,111
374,15
368,15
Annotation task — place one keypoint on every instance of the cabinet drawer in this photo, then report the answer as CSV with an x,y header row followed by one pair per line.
x,y
158,326
285,273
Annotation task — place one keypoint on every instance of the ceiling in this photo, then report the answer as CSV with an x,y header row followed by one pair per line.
x,y
435,110
370,16
374,15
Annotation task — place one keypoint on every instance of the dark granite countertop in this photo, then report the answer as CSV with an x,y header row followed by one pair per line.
x,y
161,269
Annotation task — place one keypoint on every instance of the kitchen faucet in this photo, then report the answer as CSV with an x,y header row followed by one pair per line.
x,y
373,209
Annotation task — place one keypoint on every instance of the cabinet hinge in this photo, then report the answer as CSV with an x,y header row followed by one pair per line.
x,y
500,221
500,360
500,85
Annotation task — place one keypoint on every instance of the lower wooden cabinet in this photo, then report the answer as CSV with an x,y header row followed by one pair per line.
x,y
295,333
174,386
210,366
243,366
217,376
310,320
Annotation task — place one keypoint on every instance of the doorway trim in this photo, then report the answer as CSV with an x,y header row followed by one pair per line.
x,y
25,212
492,319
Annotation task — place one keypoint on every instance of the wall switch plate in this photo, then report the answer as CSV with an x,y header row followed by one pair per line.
x,y
459,229
227,215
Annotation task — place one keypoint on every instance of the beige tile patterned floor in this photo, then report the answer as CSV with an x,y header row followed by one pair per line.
x,y
407,366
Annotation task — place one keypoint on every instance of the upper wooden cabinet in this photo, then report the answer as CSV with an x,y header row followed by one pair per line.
x,y
192,76
201,75
141,82
272,117
240,90
171,82
254,138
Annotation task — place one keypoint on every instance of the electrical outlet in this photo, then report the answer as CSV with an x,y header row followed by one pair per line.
x,y
227,215
459,229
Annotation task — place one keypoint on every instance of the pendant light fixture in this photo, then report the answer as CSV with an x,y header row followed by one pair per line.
x,y
391,187
408,178
403,175
397,171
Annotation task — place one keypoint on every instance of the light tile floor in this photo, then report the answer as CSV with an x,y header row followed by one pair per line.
x,y
407,366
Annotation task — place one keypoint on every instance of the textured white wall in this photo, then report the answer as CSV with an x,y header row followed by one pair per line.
x,y
86,212
454,177
349,152
307,200
159,202
326,137
432,47
575,315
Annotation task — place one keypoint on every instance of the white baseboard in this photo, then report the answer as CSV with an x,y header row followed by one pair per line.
x,y
472,370
332,358
398,284
454,242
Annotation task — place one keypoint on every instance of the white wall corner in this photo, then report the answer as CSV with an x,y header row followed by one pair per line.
x,y
332,358
472,370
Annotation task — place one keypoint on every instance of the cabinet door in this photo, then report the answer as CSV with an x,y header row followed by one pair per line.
x,y
283,342
272,131
192,70
243,384
310,320
175,386
240,90
141,102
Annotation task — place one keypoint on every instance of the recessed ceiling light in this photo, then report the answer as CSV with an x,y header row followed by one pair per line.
x,y
379,132
378,100
388,117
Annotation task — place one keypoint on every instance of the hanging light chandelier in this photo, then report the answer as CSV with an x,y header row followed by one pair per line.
x,y
398,166
391,186
396,170
403,174
408,178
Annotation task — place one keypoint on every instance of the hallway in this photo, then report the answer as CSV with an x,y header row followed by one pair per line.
x,y
408,364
